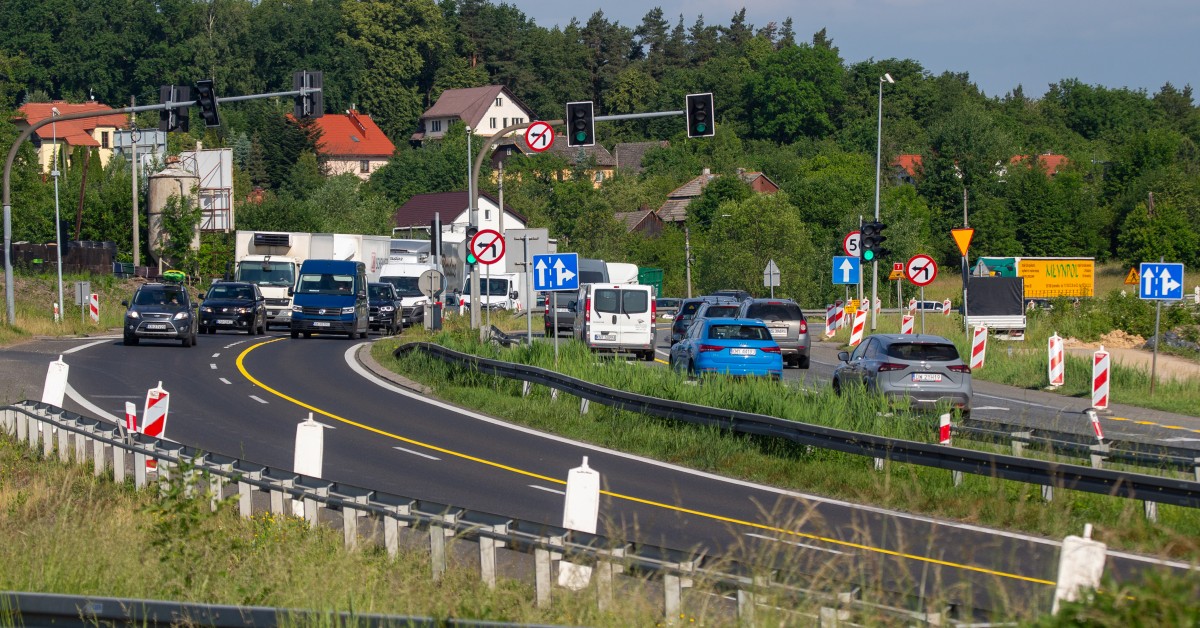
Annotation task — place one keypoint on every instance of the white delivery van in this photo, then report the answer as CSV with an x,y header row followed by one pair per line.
x,y
617,318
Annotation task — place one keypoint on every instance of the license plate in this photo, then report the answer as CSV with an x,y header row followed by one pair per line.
x,y
224,321
156,326
606,336
927,377
743,351
778,331
320,324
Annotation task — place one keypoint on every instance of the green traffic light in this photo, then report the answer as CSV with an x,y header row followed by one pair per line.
x,y
701,128
471,258
869,255
581,136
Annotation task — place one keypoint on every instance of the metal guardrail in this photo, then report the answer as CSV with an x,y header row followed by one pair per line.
x,y
71,436
1148,488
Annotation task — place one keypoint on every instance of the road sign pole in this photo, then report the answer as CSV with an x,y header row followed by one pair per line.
x,y
874,292
922,309
1157,338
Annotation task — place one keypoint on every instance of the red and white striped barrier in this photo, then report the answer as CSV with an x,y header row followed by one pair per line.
x,y
912,306
1099,431
906,323
856,332
946,307
131,424
1055,367
979,347
830,320
154,415
878,306
56,312
944,429
94,307
1100,368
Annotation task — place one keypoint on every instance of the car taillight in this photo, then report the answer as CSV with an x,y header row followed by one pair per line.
x,y
653,310
704,348
960,368
892,366
774,349
587,309
804,327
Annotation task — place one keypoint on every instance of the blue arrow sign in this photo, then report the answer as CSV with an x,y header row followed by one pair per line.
x,y
845,269
559,271
1163,282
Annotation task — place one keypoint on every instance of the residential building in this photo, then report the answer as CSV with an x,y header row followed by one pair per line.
x,y
97,132
351,143
675,207
594,160
417,214
628,156
485,110
644,221
908,166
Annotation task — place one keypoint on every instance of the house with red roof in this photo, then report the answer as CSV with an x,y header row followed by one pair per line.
x,y
1049,162
674,209
351,143
908,167
98,132
485,109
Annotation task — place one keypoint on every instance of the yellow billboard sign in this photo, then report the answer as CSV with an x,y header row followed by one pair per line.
x,y
1050,277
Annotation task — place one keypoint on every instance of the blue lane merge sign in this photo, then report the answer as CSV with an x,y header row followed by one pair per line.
x,y
556,272
845,269
1160,281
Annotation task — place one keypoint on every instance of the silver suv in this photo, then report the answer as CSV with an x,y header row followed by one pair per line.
x,y
788,327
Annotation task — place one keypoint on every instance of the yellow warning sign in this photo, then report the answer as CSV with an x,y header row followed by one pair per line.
x,y
962,237
895,274
1132,278
853,305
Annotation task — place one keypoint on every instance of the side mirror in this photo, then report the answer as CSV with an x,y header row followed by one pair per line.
x,y
843,356
512,295
291,291
125,303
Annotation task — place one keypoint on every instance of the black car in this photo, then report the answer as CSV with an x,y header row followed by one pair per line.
x,y
385,308
160,311
235,305
740,295
564,304
687,312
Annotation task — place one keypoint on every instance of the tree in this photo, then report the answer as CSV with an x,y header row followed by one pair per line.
x,y
180,220
1167,233
722,189
796,93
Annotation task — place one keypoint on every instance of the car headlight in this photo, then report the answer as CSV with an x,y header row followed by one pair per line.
x,y
132,314
244,310
347,310
297,308
207,309
179,316
387,308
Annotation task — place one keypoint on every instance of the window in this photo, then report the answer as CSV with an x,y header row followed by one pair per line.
x,y
493,121
518,120
435,126
364,166
499,102
925,352
104,139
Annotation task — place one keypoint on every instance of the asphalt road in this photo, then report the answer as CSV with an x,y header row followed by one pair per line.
x,y
242,396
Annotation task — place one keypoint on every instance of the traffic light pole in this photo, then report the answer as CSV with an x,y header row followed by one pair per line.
x,y
473,184
25,135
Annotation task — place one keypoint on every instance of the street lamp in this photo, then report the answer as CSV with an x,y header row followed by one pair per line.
x,y
57,223
878,155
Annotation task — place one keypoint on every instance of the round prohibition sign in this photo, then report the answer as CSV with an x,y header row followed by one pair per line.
x,y
851,242
539,136
921,269
488,246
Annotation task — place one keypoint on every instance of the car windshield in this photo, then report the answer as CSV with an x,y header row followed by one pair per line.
x,y
326,283
925,352
738,332
721,311
492,288
687,310
164,296
378,292
561,300
775,311
405,286
267,273
231,292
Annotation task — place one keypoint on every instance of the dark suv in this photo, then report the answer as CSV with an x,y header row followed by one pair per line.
x,y
787,324
160,311
687,312
386,311
564,303
235,305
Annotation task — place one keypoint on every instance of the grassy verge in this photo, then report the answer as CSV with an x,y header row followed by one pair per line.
x,y
34,300
911,488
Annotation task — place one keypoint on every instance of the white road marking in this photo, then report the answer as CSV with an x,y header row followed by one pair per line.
x,y
547,489
417,453
804,545
212,366
1179,439
254,397
90,344
225,381
991,408
1027,403
216,355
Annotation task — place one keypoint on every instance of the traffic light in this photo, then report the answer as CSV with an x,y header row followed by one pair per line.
x,y
206,97
471,259
174,118
581,124
312,104
700,115
871,242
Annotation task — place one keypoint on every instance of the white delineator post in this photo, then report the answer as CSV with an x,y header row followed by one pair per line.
x,y
1100,369
856,332
94,307
1080,566
309,457
131,423
979,347
1055,367
1095,420
55,387
906,323
581,511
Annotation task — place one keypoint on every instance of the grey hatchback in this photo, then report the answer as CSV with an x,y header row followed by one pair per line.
x,y
788,327
923,368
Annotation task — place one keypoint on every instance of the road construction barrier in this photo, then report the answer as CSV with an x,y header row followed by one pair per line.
x,y
944,429
1100,378
94,307
830,320
912,306
1056,368
979,347
946,307
856,332
906,323
154,416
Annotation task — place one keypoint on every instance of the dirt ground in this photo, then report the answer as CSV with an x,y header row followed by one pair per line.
x,y
1168,366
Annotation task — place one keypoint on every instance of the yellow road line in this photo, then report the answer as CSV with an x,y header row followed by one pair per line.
x,y
750,524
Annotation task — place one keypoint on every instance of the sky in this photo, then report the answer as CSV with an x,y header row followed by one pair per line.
x,y
1139,44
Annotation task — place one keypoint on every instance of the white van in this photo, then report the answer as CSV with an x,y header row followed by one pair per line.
x,y
617,318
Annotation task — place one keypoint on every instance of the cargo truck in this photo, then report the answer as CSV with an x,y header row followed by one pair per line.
x,y
272,259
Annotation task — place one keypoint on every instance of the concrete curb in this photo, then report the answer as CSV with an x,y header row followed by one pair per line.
x,y
368,361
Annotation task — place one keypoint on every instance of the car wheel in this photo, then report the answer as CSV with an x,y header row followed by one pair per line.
x,y
837,387
250,329
295,334
803,362
187,341
130,340
691,369
308,334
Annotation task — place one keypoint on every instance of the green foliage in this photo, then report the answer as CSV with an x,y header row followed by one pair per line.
x,y
180,220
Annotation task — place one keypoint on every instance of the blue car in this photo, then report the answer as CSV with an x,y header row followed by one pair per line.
x,y
731,346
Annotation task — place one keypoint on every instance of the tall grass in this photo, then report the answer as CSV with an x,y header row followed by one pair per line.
x,y
34,300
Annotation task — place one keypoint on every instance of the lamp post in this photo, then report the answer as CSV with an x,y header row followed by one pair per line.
x,y
878,156
62,308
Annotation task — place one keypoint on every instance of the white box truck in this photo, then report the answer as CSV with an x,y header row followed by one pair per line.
x,y
271,259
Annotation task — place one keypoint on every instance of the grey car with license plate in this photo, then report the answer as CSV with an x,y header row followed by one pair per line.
x,y
925,369
788,327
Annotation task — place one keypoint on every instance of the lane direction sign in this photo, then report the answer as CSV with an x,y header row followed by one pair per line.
x,y
1159,281
559,271
851,243
539,136
921,269
846,270
488,246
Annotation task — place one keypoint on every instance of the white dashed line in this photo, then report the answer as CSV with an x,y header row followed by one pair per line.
x,y
216,355
548,490
225,381
259,400
804,545
416,453
212,366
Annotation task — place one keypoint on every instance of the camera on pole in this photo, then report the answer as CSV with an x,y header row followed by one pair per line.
x,y
581,124
700,115
206,98
309,104
174,119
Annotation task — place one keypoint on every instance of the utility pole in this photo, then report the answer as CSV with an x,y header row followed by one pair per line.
x,y
133,161
687,260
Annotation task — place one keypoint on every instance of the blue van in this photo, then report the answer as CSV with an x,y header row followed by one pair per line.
x,y
330,297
